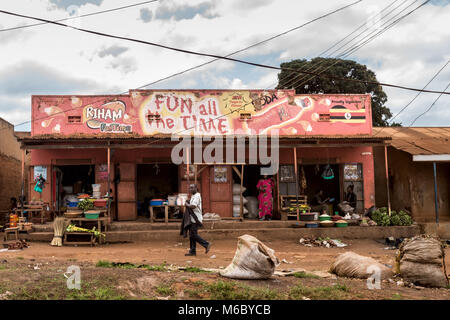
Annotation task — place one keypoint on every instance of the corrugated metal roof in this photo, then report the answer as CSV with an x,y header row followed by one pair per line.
x,y
134,136
418,140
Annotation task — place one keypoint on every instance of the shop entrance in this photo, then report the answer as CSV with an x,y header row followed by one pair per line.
x,y
155,181
72,180
252,175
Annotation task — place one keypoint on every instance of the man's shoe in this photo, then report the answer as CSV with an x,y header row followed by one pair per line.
x,y
189,254
207,248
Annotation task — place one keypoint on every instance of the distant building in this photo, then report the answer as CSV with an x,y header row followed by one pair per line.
x,y
10,164
411,157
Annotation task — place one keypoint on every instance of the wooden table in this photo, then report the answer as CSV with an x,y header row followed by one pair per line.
x,y
32,210
101,221
166,213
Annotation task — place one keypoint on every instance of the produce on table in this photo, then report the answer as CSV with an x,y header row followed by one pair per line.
x,y
382,218
85,205
74,228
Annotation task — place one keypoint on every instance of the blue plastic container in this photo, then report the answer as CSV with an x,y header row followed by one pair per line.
x,y
156,202
72,204
312,225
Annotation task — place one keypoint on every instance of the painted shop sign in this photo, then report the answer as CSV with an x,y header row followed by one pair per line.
x,y
204,112
108,117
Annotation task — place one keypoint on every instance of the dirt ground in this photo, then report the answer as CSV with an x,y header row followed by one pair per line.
x,y
132,283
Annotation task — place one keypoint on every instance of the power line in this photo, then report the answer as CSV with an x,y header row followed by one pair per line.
x,y
238,51
81,16
253,45
415,97
431,106
363,42
285,83
212,55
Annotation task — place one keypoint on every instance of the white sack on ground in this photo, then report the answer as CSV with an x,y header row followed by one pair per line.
x,y
421,261
252,260
237,199
352,265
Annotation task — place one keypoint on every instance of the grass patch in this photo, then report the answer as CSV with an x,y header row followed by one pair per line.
x,y
195,270
165,290
2,267
303,274
396,296
20,258
336,292
224,290
128,265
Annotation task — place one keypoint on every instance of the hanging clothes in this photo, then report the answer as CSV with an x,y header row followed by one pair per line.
x,y
303,179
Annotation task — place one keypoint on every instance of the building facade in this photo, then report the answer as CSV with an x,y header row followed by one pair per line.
x,y
127,142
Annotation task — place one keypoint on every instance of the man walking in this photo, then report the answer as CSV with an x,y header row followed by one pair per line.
x,y
194,210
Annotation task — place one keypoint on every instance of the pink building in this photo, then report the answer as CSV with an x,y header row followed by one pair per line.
x,y
125,141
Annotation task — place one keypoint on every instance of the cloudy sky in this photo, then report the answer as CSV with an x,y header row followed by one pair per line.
x,y
49,59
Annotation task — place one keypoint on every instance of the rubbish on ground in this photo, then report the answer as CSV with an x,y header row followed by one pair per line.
x,y
252,260
420,260
17,245
322,242
213,256
4,296
356,216
285,261
347,217
352,265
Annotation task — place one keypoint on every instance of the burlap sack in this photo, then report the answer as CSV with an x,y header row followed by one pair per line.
x,y
252,260
421,260
352,265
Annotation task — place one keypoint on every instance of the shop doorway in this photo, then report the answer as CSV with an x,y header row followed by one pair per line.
x,y
72,180
155,181
252,175
314,182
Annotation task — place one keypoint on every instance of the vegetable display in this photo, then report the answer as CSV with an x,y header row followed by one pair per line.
x,y
85,205
382,218
74,228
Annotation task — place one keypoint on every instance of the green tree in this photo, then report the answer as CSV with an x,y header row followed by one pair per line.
x,y
337,68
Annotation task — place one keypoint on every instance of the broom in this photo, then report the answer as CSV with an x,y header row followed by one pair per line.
x,y
59,226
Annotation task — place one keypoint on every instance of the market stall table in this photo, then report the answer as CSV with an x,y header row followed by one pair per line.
x,y
166,213
102,223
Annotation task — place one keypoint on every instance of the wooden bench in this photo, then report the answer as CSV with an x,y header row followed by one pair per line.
x,y
14,231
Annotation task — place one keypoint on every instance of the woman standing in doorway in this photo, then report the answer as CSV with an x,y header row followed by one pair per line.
x,y
265,186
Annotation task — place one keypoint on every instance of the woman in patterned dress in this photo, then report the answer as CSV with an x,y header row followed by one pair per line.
x,y
265,186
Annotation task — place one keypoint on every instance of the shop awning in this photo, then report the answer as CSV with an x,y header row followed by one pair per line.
x,y
58,141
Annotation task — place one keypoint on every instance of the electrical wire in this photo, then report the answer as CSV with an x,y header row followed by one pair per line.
x,y
215,56
315,66
364,41
253,45
415,97
431,106
80,16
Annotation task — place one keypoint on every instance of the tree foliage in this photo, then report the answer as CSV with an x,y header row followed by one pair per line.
x,y
338,68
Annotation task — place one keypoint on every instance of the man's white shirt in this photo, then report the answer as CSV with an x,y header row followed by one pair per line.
x,y
196,200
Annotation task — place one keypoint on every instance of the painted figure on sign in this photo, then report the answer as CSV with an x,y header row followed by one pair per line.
x,y
265,187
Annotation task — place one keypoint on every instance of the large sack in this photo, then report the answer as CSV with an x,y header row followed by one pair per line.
x,y
421,260
237,199
237,210
352,265
252,260
237,189
252,207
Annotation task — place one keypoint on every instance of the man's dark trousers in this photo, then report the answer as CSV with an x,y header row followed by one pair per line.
x,y
194,238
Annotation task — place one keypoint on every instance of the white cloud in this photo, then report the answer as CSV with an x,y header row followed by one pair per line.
x,y
408,54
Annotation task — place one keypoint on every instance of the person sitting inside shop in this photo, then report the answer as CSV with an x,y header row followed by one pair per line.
x,y
350,196
319,205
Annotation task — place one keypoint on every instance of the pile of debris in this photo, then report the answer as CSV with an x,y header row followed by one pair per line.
x,y
322,242
17,245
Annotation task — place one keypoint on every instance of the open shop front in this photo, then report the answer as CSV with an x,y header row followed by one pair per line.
x,y
70,182
317,183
